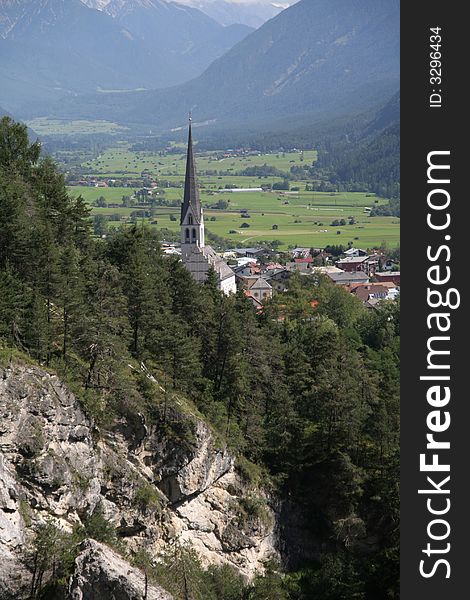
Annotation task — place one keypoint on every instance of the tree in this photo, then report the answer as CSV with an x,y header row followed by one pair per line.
x,y
70,295
269,585
136,252
100,202
51,558
181,573
17,155
104,330
100,225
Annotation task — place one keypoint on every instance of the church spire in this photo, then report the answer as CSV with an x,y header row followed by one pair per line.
x,y
191,192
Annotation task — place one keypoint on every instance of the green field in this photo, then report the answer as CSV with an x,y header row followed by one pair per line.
x,y
302,218
45,126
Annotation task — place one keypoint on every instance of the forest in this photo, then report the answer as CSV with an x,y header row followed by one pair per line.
x,y
306,393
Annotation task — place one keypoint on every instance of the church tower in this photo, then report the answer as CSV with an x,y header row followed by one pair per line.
x,y
192,217
196,256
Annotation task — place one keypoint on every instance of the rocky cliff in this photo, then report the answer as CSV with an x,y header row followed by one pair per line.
x,y
152,486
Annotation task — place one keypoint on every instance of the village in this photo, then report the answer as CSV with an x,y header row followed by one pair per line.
x,y
260,273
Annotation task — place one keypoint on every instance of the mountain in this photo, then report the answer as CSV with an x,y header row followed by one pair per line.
x,y
55,48
319,58
50,48
188,38
4,113
368,156
225,12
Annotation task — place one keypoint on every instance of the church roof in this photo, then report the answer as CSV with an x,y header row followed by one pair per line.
x,y
191,192
218,264
260,283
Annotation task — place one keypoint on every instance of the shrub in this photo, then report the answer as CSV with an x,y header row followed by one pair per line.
x,y
147,499
97,527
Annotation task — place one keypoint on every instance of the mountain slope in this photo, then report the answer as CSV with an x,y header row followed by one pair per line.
x,y
319,57
189,39
368,157
53,470
57,47
225,12
54,48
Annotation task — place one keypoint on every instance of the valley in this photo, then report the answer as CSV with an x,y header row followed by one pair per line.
x,y
294,216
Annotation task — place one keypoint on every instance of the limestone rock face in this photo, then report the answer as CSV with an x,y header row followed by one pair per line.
x,y
196,470
153,487
102,574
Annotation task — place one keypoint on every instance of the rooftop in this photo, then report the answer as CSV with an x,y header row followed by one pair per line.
x,y
260,283
340,277
353,259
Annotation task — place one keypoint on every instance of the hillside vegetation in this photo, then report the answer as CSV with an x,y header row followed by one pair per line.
x,y
306,393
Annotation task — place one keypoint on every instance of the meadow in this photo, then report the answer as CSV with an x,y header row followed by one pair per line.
x,y
295,218
46,126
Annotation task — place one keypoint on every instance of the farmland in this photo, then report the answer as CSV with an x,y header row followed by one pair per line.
x,y
45,126
294,217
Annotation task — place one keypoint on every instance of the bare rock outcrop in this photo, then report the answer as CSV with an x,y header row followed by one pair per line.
x,y
153,487
102,574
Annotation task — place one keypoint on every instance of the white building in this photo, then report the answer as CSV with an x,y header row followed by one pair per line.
x,y
197,257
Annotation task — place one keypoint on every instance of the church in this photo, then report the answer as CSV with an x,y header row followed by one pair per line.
x,y
197,257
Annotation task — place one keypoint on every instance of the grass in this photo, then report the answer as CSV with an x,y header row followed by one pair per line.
x,y
121,159
302,218
45,126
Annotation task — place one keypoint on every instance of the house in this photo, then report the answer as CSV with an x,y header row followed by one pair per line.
x,y
372,303
379,291
346,278
170,249
246,270
301,252
304,265
326,270
354,252
325,256
279,279
255,301
261,290
351,264
256,285
249,252
242,262
271,267
389,276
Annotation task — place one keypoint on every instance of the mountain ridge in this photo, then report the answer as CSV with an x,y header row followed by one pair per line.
x,y
50,49
305,60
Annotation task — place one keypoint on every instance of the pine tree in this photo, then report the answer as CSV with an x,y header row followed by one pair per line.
x,y
70,295
104,331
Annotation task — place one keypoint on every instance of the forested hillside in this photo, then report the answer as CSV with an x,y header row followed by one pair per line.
x,y
368,157
307,393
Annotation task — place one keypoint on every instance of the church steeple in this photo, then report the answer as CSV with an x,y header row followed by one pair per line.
x,y
192,217
191,192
